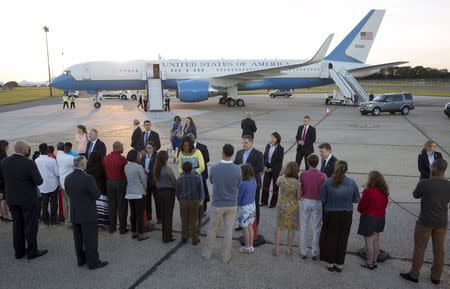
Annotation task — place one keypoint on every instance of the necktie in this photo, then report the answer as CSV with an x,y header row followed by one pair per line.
x,y
323,164
145,138
304,133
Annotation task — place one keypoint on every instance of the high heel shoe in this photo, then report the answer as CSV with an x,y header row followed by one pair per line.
x,y
276,252
288,251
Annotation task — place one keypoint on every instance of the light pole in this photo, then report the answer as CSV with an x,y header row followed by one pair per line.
x,y
48,60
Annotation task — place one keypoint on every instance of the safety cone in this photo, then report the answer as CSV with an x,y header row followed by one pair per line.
x,y
328,112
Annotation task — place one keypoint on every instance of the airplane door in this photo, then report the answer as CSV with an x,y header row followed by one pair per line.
x,y
155,70
87,72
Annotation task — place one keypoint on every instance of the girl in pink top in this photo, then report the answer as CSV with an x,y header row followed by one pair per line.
x,y
81,139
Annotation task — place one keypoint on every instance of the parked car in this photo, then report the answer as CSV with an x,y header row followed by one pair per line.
x,y
393,102
447,109
281,92
74,93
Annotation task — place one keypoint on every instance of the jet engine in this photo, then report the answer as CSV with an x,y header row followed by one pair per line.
x,y
197,90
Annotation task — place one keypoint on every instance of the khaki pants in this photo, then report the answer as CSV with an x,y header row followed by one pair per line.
x,y
189,216
421,236
228,214
66,206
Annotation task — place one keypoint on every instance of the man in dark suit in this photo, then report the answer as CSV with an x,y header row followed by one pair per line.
x,y
273,163
328,159
205,153
21,178
148,162
136,133
148,135
255,158
248,126
426,159
83,192
305,137
95,144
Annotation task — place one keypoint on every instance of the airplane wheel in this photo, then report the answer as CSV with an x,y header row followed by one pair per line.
x,y
222,100
133,97
240,102
231,102
123,97
97,105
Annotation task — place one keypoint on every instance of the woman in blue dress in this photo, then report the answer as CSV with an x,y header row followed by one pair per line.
x,y
176,134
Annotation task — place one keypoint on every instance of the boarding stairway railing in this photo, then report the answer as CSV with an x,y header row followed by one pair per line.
x,y
154,94
348,85
360,91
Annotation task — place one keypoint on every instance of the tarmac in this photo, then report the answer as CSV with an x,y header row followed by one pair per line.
x,y
388,143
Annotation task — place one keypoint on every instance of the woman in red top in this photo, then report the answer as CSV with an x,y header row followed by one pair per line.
x,y
372,207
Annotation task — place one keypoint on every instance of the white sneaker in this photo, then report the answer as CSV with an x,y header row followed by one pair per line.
x,y
244,250
251,249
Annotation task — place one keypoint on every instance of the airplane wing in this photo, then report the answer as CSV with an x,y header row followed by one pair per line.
x,y
231,79
376,67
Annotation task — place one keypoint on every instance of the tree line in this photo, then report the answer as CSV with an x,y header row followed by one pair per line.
x,y
408,72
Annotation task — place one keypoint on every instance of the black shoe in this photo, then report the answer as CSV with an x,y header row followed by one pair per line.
x,y
262,204
435,282
303,256
331,269
122,232
134,235
407,277
184,241
38,254
81,264
315,258
111,231
170,240
99,264
339,270
195,243
237,229
20,256
272,206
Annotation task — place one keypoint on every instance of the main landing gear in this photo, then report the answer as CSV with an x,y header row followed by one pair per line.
x,y
231,101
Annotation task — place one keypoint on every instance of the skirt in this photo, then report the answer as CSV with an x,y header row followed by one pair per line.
x,y
369,225
334,236
246,215
102,211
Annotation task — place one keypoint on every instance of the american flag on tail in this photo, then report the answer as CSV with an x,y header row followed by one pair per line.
x,y
366,35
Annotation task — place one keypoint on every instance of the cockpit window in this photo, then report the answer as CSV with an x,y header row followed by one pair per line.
x,y
66,72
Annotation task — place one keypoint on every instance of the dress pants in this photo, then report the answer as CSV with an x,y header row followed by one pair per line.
x,y
334,236
85,237
166,200
51,198
117,204
189,212
228,214
310,213
270,177
151,191
137,207
66,206
25,227
421,236
207,198
299,157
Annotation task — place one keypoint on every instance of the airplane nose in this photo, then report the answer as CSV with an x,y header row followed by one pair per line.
x,y
57,82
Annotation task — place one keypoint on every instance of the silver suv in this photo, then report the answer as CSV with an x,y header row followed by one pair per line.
x,y
393,102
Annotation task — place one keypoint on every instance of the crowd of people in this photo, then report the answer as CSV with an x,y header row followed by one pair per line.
x,y
95,190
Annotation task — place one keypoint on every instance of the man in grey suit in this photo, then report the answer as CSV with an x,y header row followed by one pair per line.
x,y
83,192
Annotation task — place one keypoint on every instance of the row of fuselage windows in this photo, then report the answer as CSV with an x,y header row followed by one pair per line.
x,y
239,69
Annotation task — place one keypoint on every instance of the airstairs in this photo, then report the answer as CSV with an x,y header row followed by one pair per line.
x,y
154,94
349,86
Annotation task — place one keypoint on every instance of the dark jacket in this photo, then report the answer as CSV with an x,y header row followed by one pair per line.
x,y
21,178
310,139
424,165
2,181
82,192
136,136
151,184
98,172
99,146
190,129
205,153
329,168
154,137
248,126
277,158
255,159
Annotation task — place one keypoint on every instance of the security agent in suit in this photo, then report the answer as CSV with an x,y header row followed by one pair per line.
x,y
148,135
21,178
148,163
136,134
305,137
248,126
273,163
205,153
95,144
255,158
426,158
328,160
83,192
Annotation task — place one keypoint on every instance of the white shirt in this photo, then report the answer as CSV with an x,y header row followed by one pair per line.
x,y
431,159
271,150
147,163
226,162
48,168
305,131
65,166
92,146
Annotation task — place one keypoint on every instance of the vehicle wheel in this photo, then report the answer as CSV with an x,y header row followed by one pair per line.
x,y
133,97
376,111
222,100
286,96
97,105
405,110
231,102
123,97
364,112
240,102
271,95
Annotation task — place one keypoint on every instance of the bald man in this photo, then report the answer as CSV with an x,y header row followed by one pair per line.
x,y
21,177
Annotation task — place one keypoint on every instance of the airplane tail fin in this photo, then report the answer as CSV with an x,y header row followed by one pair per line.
x,y
356,45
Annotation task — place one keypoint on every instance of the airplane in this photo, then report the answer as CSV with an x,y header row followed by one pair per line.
x,y
33,83
197,80
2,84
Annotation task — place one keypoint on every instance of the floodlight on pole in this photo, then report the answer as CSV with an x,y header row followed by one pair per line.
x,y
46,29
